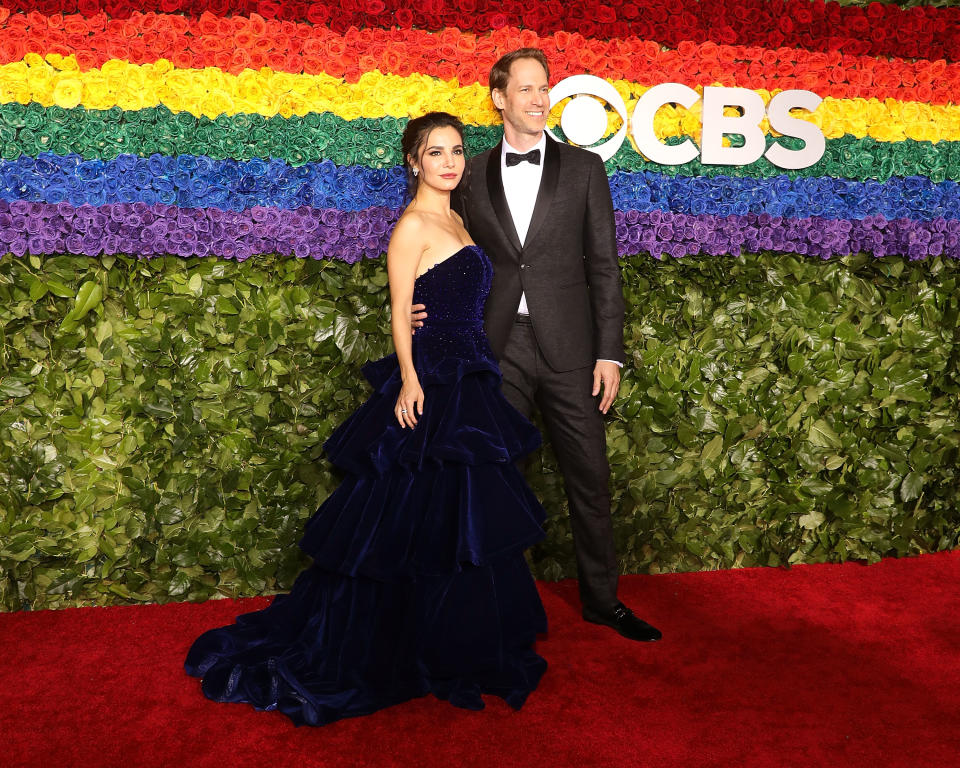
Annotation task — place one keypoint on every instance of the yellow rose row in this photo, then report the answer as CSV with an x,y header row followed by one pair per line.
x,y
56,80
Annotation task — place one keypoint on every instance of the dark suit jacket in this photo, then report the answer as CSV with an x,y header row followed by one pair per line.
x,y
568,268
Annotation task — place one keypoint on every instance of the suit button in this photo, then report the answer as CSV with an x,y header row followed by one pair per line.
x,y
523,266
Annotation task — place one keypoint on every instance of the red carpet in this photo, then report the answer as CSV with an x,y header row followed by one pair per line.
x,y
825,665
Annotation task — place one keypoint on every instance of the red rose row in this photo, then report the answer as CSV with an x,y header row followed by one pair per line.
x,y
237,42
877,29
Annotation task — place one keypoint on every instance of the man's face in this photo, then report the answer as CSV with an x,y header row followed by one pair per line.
x,y
524,102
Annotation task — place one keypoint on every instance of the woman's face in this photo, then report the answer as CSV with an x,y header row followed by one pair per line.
x,y
441,160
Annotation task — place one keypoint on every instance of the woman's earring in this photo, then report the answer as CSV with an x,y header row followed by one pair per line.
x,y
415,171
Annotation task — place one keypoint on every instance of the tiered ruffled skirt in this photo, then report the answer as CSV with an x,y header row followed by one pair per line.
x,y
419,583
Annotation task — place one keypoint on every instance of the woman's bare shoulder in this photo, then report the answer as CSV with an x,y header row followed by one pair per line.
x,y
411,238
410,226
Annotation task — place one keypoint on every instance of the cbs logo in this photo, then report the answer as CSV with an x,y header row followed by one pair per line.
x,y
584,122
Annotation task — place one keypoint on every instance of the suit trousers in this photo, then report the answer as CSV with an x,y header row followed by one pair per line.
x,y
575,427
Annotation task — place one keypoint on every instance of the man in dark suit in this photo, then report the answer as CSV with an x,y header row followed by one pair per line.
x,y
542,212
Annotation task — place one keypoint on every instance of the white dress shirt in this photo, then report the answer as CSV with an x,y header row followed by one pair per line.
x,y
521,184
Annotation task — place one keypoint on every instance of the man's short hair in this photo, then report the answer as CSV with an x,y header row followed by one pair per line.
x,y
500,72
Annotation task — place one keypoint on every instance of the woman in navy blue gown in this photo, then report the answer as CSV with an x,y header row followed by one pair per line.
x,y
418,583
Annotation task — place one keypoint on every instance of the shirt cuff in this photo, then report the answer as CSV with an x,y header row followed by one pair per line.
x,y
618,363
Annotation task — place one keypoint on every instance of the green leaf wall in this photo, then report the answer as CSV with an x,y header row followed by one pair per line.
x,y
161,422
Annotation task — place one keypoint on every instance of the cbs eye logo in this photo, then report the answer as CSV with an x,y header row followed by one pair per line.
x,y
584,121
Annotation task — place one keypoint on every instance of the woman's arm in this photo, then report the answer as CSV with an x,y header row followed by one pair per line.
x,y
403,258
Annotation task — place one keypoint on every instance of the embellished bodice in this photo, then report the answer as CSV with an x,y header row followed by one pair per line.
x,y
454,292
455,289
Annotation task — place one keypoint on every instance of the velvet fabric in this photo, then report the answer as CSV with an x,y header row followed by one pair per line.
x,y
419,582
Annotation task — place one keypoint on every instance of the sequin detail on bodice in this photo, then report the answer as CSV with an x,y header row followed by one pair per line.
x,y
454,292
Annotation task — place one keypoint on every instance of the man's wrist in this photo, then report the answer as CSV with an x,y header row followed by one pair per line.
x,y
615,362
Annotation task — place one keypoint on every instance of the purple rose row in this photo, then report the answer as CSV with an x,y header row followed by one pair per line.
x,y
158,230
330,233
662,233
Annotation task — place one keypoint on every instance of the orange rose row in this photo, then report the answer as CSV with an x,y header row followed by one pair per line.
x,y
236,43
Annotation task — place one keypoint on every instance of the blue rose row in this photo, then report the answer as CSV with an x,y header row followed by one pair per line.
x,y
194,181
201,182
913,197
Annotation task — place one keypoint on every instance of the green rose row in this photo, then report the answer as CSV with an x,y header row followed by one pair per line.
x,y
94,134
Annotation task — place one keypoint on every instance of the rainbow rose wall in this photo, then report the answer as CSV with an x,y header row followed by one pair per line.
x,y
195,200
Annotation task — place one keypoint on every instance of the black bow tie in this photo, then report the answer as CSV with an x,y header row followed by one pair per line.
x,y
533,156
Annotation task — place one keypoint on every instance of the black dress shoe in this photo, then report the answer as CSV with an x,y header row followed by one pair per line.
x,y
628,625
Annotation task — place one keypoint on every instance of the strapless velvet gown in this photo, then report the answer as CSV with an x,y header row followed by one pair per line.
x,y
419,583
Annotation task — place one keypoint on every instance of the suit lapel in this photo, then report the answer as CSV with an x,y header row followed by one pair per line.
x,y
548,188
498,198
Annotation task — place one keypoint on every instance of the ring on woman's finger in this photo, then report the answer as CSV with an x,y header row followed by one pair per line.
x,y
403,410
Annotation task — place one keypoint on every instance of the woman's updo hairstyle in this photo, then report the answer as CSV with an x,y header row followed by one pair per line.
x,y
415,136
